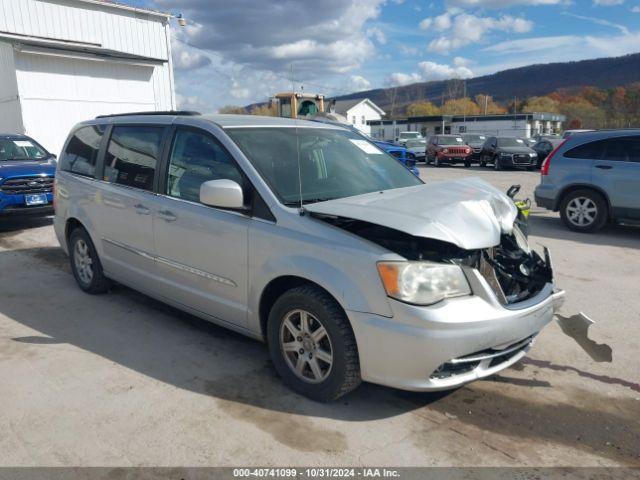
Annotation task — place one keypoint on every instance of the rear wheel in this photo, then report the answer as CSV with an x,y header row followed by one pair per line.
x,y
312,345
496,163
584,211
85,264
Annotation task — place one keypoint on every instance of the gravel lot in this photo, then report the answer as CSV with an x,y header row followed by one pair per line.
x,y
121,379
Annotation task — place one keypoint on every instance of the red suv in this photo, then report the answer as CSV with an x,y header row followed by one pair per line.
x,y
448,149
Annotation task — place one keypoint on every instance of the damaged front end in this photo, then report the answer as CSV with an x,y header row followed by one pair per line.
x,y
513,271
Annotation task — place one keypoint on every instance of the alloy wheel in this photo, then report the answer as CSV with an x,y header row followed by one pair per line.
x,y
582,211
306,346
83,262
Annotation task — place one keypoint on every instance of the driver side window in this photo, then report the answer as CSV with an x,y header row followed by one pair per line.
x,y
197,157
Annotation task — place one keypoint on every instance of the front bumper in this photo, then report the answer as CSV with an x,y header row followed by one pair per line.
x,y
452,342
15,205
453,159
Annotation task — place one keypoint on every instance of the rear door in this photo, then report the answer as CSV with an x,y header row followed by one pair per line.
x,y
617,172
201,250
125,201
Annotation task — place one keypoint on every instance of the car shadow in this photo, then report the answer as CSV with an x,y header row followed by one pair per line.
x,y
551,226
175,348
15,223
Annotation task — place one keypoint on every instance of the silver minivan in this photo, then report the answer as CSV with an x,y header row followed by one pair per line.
x,y
309,237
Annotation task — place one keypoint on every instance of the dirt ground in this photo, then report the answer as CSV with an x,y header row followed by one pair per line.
x,y
122,380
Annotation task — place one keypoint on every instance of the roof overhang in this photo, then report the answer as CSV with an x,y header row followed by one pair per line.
x,y
74,49
122,6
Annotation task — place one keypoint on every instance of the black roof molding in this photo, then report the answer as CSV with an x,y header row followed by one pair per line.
x,y
183,113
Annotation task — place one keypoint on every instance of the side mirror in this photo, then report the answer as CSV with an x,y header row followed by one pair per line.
x,y
222,193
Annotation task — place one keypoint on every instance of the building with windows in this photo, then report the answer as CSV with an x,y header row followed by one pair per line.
x,y
522,125
64,61
359,112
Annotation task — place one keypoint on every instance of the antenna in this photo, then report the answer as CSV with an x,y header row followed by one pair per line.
x,y
301,210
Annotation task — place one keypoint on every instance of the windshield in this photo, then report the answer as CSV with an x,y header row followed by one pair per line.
x,y
20,149
335,163
475,138
511,142
410,135
450,141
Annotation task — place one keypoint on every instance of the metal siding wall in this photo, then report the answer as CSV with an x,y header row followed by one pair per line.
x,y
10,114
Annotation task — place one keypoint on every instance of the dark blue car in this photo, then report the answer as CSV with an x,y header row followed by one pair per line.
x,y
26,176
401,154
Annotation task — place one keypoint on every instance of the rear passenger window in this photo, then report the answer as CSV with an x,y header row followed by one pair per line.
x,y
81,153
132,156
197,157
588,151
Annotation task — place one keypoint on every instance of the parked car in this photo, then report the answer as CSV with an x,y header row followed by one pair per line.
x,y
593,178
546,136
402,154
418,148
309,237
476,142
402,138
27,172
449,149
568,133
507,152
544,147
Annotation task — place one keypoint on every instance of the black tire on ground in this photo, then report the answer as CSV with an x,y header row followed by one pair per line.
x,y
483,163
590,199
79,240
436,162
496,163
344,374
467,164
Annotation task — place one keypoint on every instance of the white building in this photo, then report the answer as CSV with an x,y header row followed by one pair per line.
x,y
64,61
523,125
359,112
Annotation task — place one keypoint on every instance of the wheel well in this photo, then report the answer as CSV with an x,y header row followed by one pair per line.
x,y
274,290
573,188
72,224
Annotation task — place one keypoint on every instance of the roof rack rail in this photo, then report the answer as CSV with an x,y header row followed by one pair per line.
x,y
186,113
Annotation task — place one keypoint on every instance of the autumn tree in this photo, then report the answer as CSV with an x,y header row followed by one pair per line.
x,y
488,106
460,106
582,114
267,110
542,104
422,108
234,109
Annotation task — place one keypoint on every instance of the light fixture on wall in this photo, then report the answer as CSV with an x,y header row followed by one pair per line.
x,y
181,20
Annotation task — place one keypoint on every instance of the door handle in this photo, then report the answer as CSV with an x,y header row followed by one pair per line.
x,y
604,167
141,209
167,216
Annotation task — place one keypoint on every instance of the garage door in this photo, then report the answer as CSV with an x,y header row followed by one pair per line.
x,y
57,92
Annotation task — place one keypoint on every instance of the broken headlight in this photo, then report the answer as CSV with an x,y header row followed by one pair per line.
x,y
422,283
521,239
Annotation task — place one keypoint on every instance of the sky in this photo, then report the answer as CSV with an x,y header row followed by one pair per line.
x,y
237,52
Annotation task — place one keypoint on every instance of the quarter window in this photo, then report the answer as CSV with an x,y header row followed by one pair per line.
x,y
196,158
588,151
132,156
81,153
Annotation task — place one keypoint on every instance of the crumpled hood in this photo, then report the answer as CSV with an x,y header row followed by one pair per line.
x,y
469,213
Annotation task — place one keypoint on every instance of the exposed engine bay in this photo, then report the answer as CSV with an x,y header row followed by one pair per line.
x,y
514,272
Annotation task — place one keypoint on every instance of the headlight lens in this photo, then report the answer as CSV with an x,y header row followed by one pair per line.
x,y
422,283
521,239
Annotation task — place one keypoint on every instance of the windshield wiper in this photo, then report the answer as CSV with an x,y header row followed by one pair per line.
x,y
306,201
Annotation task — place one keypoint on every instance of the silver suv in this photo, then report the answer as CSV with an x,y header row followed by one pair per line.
x,y
593,178
308,237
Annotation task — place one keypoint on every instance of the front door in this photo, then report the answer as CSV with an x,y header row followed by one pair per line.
x,y
201,251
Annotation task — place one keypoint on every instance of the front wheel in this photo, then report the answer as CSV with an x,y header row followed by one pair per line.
x,y
467,164
584,211
496,163
436,162
483,163
312,345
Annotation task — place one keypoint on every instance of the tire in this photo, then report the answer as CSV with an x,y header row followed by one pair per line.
x,y
328,381
584,210
467,164
496,163
483,163
436,162
85,263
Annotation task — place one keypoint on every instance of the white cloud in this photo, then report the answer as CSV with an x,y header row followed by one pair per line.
x,y
185,58
504,3
461,29
378,34
599,21
431,71
608,3
357,83
635,9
